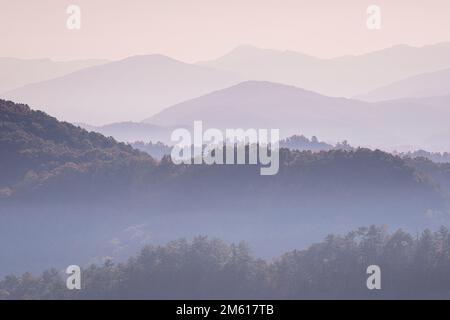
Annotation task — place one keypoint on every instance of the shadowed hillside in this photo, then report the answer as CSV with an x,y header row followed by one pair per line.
x,y
39,152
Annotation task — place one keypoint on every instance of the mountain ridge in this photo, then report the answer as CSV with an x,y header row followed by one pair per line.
x,y
263,104
124,90
16,72
347,76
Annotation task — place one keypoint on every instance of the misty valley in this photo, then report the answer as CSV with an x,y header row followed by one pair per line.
x,y
81,198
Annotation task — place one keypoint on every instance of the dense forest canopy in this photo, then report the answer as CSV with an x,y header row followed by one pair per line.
x,y
38,151
413,266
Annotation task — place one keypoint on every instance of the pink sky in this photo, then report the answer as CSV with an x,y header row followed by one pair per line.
x,y
192,30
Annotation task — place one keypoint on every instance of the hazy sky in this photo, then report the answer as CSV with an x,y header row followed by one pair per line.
x,y
192,30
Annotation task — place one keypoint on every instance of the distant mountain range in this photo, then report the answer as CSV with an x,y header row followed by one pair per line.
x,y
258,104
126,90
141,86
15,73
431,84
345,76
419,123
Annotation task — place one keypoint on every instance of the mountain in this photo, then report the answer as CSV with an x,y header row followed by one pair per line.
x,y
260,104
419,86
139,86
126,90
72,196
257,104
15,73
342,76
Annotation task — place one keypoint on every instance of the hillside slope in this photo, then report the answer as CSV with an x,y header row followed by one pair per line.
x,y
38,151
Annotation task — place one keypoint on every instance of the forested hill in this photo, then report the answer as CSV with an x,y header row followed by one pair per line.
x,y
37,150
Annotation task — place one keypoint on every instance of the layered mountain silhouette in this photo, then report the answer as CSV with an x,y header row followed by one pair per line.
x,y
137,87
15,73
72,192
431,84
259,104
126,90
342,76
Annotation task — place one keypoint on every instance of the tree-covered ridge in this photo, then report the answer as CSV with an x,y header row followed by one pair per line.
x,y
47,158
37,149
412,266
